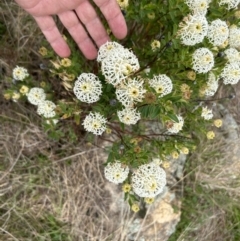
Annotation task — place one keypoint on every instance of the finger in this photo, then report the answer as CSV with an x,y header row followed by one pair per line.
x,y
53,36
91,21
77,31
114,17
47,7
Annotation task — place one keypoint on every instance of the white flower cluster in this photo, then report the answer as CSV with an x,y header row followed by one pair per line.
x,y
212,85
107,48
148,180
206,113
95,123
129,116
231,73
176,126
130,92
198,6
162,84
88,88
203,60
232,55
36,95
116,172
218,32
193,29
20,73
234,37
230,3
117,63
46,108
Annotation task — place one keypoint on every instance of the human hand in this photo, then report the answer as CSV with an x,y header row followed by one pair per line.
x,y
76,16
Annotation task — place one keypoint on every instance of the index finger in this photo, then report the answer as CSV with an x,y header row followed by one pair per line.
x,y
53,36
114,17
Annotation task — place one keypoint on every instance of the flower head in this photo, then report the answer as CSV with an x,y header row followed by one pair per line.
x,y
218,123
129,116
135,207
218,32
15,96
231,73
212,85
46,108
203,60
126,187
130,92
151,15
224,45
230,3
206,113
95,123
165,164
237,14
65,62
184,88
118,65
185,150
149,200
116,172
150,98
155,45
232,55
137,149
175,155
107,48
193,29
7,96
175,127
191,75
20,73
43,51
88,88
122,3
210,135
234,37
148,180
198,6
36,95
162,84
24,89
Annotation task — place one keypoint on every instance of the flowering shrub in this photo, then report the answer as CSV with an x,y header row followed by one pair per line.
x,y
151,96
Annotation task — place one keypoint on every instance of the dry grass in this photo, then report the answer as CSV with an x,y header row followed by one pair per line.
x,y
211,210
56,191
219,163
40,185
21,33
221,172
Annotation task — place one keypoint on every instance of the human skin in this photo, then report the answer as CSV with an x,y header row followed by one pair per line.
x,y
69,13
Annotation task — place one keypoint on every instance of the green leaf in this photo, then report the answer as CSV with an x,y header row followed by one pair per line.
x,y
173,117
150,111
